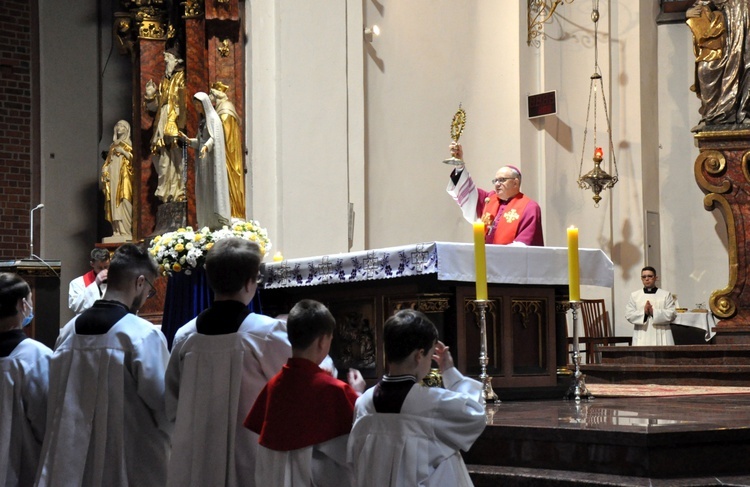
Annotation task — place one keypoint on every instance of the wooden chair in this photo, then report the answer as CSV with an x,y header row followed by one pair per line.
x,y
597,329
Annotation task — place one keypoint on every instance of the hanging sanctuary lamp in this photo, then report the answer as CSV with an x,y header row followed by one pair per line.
x,y
597,180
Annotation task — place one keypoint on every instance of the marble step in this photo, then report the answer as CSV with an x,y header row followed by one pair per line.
x,y
690,355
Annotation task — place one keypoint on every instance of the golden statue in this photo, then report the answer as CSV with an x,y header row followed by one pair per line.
x,y
117,184
169,104
233,147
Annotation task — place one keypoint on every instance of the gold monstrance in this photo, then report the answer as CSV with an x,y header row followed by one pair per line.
x,y
457,128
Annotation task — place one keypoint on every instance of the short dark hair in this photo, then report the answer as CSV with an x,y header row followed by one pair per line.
x,y
406,331
232,262
12,288
99,255
649,268
128,262
307,321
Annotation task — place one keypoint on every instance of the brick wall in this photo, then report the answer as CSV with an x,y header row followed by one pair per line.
x,y
15,126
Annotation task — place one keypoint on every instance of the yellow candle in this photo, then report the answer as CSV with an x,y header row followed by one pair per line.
x,y
480,260
277,257
574,283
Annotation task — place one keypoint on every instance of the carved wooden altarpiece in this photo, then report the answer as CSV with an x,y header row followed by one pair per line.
x,y
210,37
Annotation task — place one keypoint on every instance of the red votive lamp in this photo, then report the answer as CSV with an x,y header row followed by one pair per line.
x,y
598,153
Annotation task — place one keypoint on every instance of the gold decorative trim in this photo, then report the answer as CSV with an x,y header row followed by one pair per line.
x,y
714,163
150,23
193,9
224,48
722,304
723,134
425,303
745,168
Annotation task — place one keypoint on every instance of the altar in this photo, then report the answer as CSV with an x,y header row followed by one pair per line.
x,y
526,331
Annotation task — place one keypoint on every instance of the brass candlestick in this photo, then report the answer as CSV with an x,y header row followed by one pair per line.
x,y
577,389
480,308
457,128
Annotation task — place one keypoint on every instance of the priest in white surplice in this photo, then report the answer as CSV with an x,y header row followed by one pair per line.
x,y
651,310
106,423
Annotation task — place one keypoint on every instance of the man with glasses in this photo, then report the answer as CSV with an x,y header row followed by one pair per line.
x,y
509,216
651,310
106,421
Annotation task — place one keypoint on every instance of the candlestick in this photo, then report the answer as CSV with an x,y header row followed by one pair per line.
x,y
480,261
574,283
577,389
480,307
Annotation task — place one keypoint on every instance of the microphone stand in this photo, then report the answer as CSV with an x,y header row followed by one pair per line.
x,y
31,229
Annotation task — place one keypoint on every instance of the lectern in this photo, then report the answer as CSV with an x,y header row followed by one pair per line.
x,y
44,279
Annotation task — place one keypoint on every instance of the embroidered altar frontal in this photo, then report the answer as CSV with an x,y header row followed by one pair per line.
x,y
450,261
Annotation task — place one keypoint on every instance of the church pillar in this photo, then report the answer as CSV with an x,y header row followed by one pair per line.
x,y
197,80
722,171
148,64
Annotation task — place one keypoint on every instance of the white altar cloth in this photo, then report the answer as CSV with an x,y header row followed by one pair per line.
x,y
704,321
449,260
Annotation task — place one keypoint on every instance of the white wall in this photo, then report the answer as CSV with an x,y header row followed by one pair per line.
x,y
694,241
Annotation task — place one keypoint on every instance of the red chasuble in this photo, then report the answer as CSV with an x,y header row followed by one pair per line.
x,y
301,406
502,228
89,277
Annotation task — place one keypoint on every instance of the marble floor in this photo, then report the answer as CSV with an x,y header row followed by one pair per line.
x,y
660,441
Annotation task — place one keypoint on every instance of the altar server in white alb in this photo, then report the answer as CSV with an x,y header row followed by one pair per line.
x,y
220,362
405,433
24,367
84,290
651,310
106,423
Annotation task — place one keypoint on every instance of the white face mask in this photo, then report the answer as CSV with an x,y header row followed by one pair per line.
x,y
27,318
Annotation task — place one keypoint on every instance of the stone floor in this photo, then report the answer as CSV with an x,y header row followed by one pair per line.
x,y
650,441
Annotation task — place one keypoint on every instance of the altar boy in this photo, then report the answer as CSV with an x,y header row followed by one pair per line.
x,y
304,415
408,434
220,362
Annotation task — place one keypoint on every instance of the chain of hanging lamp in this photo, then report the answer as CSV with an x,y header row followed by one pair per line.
x,y
597,179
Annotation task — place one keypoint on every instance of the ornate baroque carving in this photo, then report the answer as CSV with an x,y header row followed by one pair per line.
x,y
193,9
713,164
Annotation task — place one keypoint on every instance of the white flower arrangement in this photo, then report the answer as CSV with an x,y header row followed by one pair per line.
x,y
184,250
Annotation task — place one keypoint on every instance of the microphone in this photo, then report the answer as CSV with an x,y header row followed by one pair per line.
x,y
31,232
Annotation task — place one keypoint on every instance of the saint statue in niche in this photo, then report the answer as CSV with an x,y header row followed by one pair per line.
x,y
168,103
233,146
117,184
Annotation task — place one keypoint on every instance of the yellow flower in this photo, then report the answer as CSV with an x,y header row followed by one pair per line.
x,y
157,239
197,237
181,230
179,247
176,267
209,245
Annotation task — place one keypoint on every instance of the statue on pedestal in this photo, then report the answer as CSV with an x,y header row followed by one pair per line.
x,y
233,146
211,184
117,184
722,57
169,104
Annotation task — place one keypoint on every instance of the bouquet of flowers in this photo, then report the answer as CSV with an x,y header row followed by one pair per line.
x,y
185,249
